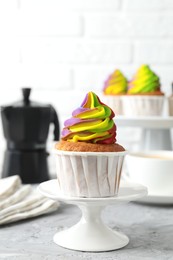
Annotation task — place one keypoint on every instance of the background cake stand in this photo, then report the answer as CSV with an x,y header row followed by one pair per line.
x,y
90,233
156,131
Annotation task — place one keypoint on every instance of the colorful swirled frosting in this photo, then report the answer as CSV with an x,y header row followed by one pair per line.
x,y
92,122
144,81
115,84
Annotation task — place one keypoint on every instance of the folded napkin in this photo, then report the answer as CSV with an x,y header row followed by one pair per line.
x,y
19,201
9,185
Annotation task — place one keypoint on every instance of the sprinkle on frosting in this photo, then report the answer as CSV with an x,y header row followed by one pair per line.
x,y
92,122
115,84
144,81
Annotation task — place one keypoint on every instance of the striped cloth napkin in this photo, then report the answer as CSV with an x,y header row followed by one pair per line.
x,y
18,201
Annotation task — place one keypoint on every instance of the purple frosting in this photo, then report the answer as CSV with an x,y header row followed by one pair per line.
x,y
72,121
79,110
65,132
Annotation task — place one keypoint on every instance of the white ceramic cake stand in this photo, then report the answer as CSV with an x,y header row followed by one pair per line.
x,y
156,130
90,233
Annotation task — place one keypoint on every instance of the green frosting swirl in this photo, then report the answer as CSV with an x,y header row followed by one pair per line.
x,y
144,81
91,122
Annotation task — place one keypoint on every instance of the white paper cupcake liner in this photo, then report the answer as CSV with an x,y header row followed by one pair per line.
x,y
89,174
115,103
143,105
170,106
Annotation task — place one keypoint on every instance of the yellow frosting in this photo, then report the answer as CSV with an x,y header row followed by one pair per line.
x,y
144,81
91,122
115,84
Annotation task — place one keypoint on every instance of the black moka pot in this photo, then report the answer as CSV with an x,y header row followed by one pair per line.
x,y
26,126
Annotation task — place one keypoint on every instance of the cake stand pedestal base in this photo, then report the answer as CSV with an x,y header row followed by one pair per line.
x,y
90,233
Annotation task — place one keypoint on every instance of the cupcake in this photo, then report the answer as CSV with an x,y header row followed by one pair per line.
x,y
144,96
114,87
88,159
170,103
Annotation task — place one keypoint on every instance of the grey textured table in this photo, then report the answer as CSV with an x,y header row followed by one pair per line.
x,y
150,229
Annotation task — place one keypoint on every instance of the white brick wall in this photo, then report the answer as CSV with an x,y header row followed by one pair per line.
x,y
74,5
50,50
155,52
148,5
129,25
62,49
49,23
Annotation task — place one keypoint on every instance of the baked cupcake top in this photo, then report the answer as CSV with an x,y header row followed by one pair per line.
x,y
145,81
116,84
92,122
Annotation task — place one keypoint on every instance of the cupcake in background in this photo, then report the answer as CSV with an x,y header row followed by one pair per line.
x,y
88,158
114,87
170,103
144,96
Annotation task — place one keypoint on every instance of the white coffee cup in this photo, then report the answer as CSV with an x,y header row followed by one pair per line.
x,y
153,169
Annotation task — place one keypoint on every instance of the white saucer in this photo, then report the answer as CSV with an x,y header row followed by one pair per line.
x,y
90,233
159,199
